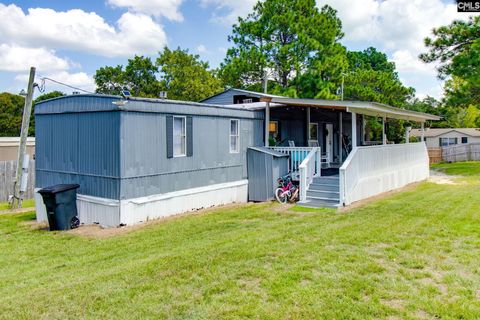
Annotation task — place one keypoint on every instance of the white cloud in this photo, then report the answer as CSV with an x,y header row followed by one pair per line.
x,y
397,27
201,49
406,62
79,80
228,11
78,30
396,24
158,8
16,58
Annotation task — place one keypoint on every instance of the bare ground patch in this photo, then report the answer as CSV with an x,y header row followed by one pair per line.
x,y
97,231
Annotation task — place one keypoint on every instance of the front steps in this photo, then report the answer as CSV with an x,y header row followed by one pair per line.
x,y
323,192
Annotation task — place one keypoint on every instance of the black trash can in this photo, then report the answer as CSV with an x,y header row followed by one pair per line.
x,y
61,203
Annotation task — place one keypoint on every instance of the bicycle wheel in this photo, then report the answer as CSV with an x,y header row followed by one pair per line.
x,y
281,195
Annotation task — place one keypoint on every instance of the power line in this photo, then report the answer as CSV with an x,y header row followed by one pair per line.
x,y
64,84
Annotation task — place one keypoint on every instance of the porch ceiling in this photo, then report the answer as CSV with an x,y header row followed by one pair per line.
x,y
367,108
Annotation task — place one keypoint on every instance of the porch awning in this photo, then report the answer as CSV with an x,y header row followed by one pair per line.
x,y
361,107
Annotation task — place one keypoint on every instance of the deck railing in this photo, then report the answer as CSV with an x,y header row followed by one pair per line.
x,y
297,155
369,171
309,168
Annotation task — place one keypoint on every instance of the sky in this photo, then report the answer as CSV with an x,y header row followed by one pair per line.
x,y
69,40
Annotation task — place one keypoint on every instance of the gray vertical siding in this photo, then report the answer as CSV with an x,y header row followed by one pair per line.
x,y
146,169
264,168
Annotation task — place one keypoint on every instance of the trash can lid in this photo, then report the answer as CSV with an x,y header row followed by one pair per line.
x,y
58,188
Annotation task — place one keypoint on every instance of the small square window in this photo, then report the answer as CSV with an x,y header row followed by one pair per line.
x,y
464,139
234,136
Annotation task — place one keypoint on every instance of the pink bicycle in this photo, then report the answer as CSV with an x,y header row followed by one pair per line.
x,y
286,191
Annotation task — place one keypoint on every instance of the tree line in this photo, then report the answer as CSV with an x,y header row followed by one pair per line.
x,y
296,46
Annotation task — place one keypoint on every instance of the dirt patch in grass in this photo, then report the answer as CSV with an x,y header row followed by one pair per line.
x,y
34,225
97,231
442,178
396,304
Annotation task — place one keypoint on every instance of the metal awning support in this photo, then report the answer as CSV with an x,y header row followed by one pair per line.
x,y
423,132
384,136
267,123
308,124
340,120
354,131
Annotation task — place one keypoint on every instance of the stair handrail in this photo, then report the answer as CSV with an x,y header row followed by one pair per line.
x,y
308,170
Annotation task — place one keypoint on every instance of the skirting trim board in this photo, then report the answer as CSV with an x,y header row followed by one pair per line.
x,y
112,213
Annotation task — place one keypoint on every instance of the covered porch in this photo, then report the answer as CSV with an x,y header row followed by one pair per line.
x,y
327,135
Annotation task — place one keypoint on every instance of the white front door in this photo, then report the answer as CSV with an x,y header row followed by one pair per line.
x,y
329,141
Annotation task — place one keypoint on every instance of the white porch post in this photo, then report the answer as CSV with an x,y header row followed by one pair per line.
x,y
340,120
363,130
407,134
308,124
354,130
384,136
267,123
423,132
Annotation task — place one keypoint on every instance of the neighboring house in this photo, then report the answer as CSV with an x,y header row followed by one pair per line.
x,y
141,159
443,137
9,148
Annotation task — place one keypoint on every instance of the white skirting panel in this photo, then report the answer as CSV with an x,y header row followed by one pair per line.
x,y
158,206
94,210
91,210
40,209
388,181
112,213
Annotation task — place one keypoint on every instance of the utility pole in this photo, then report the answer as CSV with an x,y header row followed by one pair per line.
x,y
21,166
343,82
265,81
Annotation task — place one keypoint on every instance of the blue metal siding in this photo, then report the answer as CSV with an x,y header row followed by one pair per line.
x,y
223,98
79,148
77,103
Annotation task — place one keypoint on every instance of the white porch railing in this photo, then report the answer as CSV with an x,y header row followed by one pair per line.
x,y
309,168
297,155
369,171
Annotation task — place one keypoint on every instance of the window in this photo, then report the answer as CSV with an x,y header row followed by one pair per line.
x,y
234,136
273,128
444,142
179,137
464,139
250,100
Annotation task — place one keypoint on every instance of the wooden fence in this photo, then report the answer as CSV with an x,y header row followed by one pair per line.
x,y
435,155
462,152
7,177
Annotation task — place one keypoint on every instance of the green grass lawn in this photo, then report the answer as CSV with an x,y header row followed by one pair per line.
x,y
469,168
413,255
27,203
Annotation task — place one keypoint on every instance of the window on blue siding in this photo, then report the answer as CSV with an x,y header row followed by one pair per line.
x,y
234,136
179,137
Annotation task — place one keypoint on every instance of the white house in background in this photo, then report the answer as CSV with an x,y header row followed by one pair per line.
x,y
9,147
442,137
